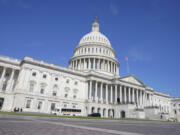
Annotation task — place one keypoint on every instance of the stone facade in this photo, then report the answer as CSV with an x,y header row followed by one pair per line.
x,y
90,84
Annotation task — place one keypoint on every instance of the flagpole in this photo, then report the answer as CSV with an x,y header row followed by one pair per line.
x,y
127,65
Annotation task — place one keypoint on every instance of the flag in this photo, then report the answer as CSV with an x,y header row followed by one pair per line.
x,y
126,58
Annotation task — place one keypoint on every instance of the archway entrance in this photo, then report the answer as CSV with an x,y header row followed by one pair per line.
x,y
104,112
98,110
1,103
109,113
123,114
92,110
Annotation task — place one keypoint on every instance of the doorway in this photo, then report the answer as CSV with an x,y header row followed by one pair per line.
x,y
123,114
1,103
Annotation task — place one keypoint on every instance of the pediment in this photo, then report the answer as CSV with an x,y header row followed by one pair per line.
x,y
132,79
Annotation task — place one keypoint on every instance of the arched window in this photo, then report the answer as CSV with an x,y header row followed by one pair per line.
x,y
4,86
34,74
43,87
32,86
92,110
75,93
75,83
66,91
67,81
55,89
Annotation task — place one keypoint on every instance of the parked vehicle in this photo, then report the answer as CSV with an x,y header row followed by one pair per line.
x,y
94,115
56,111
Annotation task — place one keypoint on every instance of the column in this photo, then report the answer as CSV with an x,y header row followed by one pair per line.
x,y
143,102
111,67
94,61
115,94
140,94
137,97
96,90
108,67
144,99
101,92
107,93
149,103
115,68
89,63
141,98
11,79
125,94
84,63
129,95
80,65
76,64
90,90
133,95
2,76
111,94
103,65
98,64
120,92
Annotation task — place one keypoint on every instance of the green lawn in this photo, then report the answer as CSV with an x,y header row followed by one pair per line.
x,y
81,117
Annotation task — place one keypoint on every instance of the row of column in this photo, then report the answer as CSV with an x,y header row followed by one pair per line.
x,y
6,82
94,50
94,63
114,93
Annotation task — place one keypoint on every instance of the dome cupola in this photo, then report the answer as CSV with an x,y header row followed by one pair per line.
x,y
94,52
95,36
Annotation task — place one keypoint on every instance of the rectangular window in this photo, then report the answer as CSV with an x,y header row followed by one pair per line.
x,y
54,93
42,91
34,74
7,75
39,105
28,103
74,96
4,86
44,76
66,95
31,87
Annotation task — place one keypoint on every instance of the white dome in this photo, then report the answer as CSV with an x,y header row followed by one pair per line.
x,y
95,37
94,52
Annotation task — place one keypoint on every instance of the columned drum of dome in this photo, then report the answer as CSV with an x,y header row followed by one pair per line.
x,y
94,52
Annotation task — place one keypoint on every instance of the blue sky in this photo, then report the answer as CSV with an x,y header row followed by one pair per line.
x,y
145,31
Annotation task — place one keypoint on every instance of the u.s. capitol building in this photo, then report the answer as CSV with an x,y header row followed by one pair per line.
x,y
90,84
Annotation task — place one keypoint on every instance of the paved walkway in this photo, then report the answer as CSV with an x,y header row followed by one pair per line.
x,y
19,125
